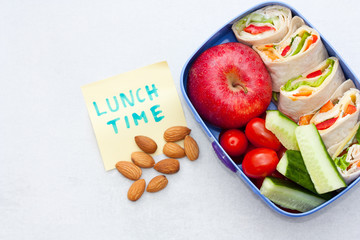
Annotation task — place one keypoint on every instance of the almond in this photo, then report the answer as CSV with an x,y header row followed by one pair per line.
x,y
136,190
191,148
168,166
173,150
142,159
129,170
176,133
157,183
146,144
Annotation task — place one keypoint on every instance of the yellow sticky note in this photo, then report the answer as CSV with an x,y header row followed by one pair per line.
x,y
140,102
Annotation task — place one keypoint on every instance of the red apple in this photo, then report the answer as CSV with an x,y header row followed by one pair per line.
x,y
228,84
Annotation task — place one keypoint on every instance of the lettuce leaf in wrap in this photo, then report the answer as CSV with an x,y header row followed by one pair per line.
x,y
326,70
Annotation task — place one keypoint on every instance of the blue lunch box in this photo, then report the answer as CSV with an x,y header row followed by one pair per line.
x,y
225,35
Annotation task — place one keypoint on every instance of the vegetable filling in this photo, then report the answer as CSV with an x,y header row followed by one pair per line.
x,y
330,115
314,79
349,161
298,44
253,29
257,23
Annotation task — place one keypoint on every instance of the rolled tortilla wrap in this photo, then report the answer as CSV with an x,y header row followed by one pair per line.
x,y
310,90
268,24
336,149
345,86
335,124
301,50
349,163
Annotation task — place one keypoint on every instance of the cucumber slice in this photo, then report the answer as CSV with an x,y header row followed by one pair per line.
x,y
292,166
320,166
289,195
283,128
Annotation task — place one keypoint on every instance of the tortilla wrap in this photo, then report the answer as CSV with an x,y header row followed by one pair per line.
x,y
300,50
344,123
275,16
350,169
295,105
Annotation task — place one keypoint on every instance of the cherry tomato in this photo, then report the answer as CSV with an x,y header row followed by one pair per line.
x,y
260,162
259,136
234,142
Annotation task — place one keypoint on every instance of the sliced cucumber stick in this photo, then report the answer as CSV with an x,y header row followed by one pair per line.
x,y
289,195
320,166
292,166
283,128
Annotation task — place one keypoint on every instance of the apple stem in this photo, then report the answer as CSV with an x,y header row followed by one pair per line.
x,y
242,86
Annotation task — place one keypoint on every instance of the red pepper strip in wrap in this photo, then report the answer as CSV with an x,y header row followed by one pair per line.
x,y
252,29
314,74
326,124
285,51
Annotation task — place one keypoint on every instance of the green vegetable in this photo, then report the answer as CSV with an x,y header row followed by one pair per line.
x,y
254,17
275,96
341,162
283,128
240,25
301,43
320,166
288,87
292,39
292,166
259,18
289,195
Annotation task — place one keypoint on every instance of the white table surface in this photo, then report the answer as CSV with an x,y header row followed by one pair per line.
x,y
52,181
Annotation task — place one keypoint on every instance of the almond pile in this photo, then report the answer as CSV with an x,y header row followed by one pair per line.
x,y
132,170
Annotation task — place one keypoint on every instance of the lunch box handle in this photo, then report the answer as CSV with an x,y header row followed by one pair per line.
x,y
223,158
